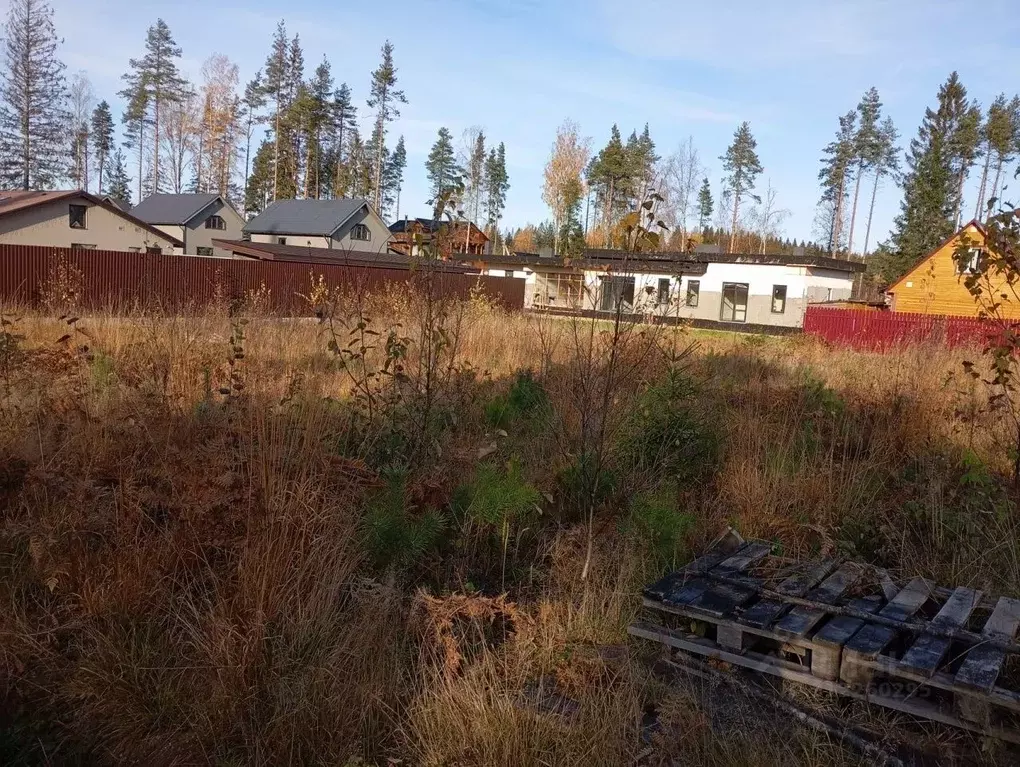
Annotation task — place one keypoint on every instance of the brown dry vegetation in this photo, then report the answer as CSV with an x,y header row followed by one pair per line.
x,y
274,548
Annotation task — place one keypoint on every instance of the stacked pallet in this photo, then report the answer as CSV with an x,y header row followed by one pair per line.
x,y
930,652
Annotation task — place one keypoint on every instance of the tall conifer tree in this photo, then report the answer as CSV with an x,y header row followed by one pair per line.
x,y
33,96
742,165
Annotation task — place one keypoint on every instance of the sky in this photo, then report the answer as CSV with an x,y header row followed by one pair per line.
x,y
519,68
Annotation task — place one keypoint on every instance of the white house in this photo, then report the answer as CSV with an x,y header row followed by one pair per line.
x,y
730,289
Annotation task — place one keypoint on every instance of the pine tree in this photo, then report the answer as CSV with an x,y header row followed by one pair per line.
x,y
641,161
837,168
930,186
275,90
887,163
33,98
135,120
443,172
1001,132
383,98
474,176
393,179
297,115
867,149
964,150
102,139
705,205
345,121
254,99
497,184
259,189
571,235
118,185
607,175
315,121
743,166
156,76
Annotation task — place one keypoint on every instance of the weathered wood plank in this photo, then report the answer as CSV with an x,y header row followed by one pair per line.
x,y
746,557
670,583
872,638
827,653
768,665
981,667
722,599
767,611
927,652
800,620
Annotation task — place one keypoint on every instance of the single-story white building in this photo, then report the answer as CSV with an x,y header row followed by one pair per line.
x,y
730,289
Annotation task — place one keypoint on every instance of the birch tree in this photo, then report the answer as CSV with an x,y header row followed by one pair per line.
x,y
81,101
564,171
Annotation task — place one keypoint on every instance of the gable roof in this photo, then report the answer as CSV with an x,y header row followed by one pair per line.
x,y
12,201
314,217
175,209
923,259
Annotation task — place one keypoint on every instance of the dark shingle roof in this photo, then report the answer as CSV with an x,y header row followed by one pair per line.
x,y
317,217
171,208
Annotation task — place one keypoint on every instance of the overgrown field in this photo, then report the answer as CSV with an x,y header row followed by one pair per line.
x,y
388,534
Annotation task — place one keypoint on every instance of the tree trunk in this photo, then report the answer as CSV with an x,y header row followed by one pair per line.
x,y
871,213
85,153
984,182
276,148
141,156
998,177
380,124
853,213
959,199
155,141
733,226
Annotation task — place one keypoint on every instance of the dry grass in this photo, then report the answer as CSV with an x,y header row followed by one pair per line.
x,y
186,577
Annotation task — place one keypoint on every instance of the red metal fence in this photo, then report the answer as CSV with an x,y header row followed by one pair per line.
x,y
120,280
883,330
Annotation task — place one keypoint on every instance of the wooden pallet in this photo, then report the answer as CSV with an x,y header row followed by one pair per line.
x,y
930,652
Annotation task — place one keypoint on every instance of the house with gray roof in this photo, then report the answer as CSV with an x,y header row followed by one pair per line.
x,y
349,224
194,219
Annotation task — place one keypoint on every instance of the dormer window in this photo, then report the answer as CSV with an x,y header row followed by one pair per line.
x,y
215,222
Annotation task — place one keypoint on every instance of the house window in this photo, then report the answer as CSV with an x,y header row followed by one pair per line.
x,y
693,291
361,232
133,249
77,216
281,240
153,250
508,273
617,293
200,251
778,299
971,263
82,246
662,297
734,302
215,222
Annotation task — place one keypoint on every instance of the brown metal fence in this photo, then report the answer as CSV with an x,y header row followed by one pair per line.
x,y
125,281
